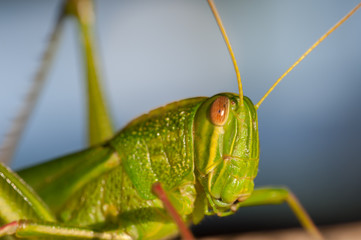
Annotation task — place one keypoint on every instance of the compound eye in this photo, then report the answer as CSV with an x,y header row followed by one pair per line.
x,y
219,111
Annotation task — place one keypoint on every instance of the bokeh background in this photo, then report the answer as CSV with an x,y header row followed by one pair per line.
x,y
156,52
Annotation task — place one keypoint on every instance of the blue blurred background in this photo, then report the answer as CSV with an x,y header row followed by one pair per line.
x,y
156,52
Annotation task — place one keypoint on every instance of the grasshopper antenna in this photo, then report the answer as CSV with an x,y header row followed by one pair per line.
x,y
339,23
225,37
12,138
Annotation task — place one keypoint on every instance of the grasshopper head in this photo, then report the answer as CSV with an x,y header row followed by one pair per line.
x,y
226,149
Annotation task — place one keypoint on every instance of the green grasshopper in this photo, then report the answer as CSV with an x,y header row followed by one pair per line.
x,y
157,147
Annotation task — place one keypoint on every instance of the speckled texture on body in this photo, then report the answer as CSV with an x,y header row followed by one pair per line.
x,y
158,146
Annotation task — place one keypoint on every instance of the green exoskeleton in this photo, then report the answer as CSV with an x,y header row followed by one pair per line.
x,y
203,151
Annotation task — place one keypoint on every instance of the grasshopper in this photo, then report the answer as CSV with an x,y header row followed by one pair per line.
x,y
146,194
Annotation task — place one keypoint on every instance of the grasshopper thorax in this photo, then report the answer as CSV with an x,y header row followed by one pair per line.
x,y
226,147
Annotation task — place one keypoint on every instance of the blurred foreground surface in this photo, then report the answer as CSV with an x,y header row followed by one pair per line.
x,y
349,231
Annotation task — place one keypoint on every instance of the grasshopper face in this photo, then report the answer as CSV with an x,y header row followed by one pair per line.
x,y
226,149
